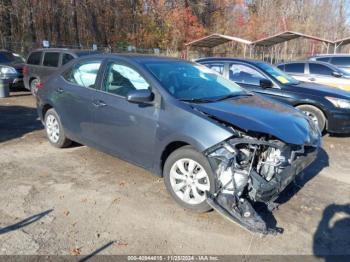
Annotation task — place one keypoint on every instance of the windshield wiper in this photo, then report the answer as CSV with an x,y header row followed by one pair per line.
x,y
209,100
197,100
232,96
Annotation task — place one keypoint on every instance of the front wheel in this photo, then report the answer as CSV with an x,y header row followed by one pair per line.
x,y
315,114
187,177
54,130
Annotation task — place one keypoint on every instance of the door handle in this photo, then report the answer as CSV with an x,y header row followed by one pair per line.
x,y
60,90
312,79
99,103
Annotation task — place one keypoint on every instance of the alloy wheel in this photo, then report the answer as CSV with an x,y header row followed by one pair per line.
x,y
189,181
33,86
312,116
52,128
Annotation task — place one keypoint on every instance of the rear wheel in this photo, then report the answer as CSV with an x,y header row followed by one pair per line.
x,y
54,130
33,86
187,177
315,114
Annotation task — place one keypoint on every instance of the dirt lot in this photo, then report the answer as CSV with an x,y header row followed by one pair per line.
x,y
78,200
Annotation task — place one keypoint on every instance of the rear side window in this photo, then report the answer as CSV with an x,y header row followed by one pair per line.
x,y
217,67
341,61
34,58
318,69
323,59
66,58
51,59
83,74
294,68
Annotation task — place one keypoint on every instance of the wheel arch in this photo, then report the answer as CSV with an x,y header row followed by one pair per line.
x,y
168,149
46,107
33,78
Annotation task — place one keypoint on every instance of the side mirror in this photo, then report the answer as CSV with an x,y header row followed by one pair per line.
x,y
143,96
266,83
337,74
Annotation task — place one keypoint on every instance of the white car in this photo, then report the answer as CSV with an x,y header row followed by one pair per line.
x,y
318,72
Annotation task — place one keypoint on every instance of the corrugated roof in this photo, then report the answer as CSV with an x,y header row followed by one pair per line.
x,y
215,40
344,41
286,36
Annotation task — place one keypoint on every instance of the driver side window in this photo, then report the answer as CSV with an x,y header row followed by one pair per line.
x,y
121,79
245,75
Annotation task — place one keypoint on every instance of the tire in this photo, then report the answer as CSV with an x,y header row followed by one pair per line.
x,y
315,114
32,85
187,186
54,130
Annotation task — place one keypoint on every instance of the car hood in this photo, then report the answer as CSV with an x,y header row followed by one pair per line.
x,y
320,90
254,113
16,65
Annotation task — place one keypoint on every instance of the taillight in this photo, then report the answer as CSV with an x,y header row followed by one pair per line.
x,y
24,70
39,85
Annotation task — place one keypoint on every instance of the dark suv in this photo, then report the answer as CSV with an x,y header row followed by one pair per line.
x,y
11,68
43,62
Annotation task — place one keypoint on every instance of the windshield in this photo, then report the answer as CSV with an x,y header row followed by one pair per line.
x,y
7,57
189,81
277,74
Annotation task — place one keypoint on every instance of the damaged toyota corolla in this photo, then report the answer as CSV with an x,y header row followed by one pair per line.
x,y
216,144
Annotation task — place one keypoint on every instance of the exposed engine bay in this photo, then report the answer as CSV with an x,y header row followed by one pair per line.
x,y
253,169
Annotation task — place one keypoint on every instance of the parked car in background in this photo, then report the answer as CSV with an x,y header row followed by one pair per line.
x,y
185,122
43,62
328,107
340,60
11,66
318,72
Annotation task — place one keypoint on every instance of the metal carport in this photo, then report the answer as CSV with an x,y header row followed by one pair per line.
x,y
340,43
214,40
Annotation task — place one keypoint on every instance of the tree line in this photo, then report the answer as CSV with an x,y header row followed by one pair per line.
x,y
163,24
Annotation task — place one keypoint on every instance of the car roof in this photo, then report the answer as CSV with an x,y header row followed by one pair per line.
x,y
305,61
230,59
68,50
330,55
138,57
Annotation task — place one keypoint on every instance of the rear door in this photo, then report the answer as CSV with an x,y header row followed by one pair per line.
x,y
297,70
74,96
123,128
33,66
51,61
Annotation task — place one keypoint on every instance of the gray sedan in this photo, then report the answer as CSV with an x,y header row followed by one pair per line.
x,y
216,144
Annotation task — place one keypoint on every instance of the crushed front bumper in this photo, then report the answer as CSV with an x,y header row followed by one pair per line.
x,y
240,210
264,191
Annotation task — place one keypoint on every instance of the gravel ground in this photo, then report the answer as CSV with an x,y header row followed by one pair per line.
x,y
78,200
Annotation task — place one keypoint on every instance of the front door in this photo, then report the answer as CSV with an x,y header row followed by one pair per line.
x,y
123,128
249,78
